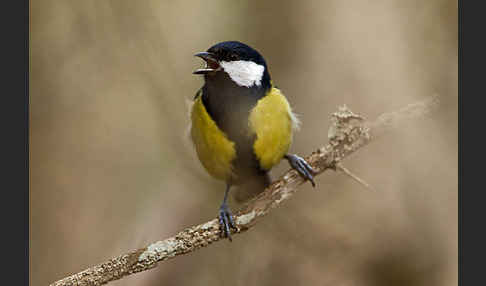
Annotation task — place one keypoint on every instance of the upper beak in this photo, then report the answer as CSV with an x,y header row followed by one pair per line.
x,y
212,63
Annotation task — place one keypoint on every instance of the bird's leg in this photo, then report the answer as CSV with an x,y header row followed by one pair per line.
x,y
301,166
225,216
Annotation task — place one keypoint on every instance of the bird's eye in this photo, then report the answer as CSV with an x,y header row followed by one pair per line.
x,y
233,57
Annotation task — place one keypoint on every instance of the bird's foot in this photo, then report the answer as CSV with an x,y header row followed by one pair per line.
x,y
301,166
226,221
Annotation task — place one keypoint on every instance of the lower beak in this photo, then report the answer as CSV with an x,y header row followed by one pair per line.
x,y
212,64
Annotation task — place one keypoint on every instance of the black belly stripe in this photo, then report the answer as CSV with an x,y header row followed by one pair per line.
x,y
229,106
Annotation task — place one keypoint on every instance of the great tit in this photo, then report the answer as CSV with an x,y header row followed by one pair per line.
x,y
241,124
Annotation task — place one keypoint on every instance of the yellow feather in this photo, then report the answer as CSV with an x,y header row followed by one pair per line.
x,y
272,120
214,149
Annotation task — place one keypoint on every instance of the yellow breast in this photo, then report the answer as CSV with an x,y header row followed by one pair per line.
x,y
272,121
214,149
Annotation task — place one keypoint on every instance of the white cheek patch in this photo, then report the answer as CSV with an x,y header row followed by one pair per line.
x,y
244,73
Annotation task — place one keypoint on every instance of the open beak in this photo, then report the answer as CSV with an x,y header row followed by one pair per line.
x,y
212,64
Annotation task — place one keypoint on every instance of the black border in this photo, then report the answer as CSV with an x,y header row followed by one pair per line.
x,y
472,63
14,121
26,185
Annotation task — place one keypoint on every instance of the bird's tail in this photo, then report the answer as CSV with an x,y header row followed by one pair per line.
x,y
251,187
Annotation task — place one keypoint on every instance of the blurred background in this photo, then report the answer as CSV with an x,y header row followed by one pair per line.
x,y
112,168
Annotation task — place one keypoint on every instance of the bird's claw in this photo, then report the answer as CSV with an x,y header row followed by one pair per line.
x,y
226,221
302,167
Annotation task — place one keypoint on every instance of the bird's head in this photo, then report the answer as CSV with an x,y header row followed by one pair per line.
x,y
243,64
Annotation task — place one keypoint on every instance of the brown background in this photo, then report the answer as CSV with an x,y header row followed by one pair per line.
x,y
113,170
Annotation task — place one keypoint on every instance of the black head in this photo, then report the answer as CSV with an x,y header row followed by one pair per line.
x,y
236,51
240,61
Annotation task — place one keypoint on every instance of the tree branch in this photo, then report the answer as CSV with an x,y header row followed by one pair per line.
x,y
354,177
348,133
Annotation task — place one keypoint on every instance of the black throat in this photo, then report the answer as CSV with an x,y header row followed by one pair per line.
x,y
230,105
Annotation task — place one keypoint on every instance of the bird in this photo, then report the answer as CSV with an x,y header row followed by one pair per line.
x,y
241,123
